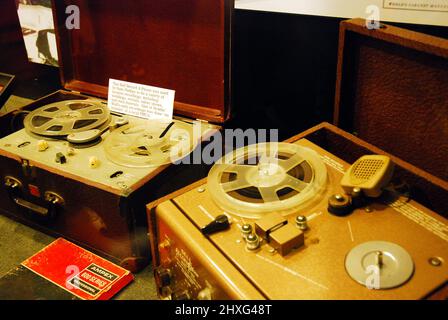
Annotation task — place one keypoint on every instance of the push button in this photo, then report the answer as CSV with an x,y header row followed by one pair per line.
x,y
287,238
34,190
60,158
269,224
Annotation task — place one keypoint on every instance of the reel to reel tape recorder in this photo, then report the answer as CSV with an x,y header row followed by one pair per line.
x,y
126,141
80,171
294,221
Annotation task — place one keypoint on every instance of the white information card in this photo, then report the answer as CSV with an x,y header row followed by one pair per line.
x,y
431,12
140,100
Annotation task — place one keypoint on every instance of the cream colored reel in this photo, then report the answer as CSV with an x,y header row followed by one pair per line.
x,y
68,117
150,144
267,177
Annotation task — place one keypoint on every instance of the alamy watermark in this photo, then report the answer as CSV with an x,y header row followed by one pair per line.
x,y
73,20
373,17
72,271
373,278
222,146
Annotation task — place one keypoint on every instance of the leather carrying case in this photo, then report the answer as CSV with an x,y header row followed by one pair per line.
x,y
392,91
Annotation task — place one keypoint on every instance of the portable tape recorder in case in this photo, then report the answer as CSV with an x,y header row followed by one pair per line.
x,y
79,171
294,221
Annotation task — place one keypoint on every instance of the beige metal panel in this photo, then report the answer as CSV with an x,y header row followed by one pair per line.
x,y
317,270
185,250
77,166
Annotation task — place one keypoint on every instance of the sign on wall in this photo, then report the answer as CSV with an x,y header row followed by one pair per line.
x,y
430,12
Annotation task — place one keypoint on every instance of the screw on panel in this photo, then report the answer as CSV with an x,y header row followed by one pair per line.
x,y
435,261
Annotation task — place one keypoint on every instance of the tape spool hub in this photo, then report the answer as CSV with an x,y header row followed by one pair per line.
x,y
67,117
267,177
397,265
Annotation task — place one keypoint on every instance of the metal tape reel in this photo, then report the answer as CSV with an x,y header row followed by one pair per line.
x,y
141,146
267,177
67,117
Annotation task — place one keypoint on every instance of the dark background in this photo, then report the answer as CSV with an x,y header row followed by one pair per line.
x,y
284,67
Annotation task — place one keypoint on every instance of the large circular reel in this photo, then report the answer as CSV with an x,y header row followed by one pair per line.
x,y
67,117
153,144
265,178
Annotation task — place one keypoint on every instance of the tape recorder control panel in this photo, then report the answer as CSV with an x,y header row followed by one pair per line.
x,y
83,139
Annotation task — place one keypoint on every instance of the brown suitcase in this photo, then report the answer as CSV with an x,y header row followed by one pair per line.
x,y
416,219
184,47
392,91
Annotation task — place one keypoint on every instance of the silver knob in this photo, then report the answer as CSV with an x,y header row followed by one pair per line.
x,y
252,242
302,223
246,230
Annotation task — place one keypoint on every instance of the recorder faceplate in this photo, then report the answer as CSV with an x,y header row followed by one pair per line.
x,y
316,267
119,159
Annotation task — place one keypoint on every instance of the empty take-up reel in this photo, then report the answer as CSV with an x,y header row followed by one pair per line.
x,y
150,143
268,177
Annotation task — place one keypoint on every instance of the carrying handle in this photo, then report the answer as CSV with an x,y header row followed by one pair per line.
x,y
54,200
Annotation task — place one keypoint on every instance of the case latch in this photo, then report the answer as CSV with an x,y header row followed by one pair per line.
x,y
28,169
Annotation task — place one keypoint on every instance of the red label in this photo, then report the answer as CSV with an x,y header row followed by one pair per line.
x,y
34,190
78,271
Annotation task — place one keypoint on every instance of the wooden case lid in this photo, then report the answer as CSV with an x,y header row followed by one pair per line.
x,y
392,91
180,45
